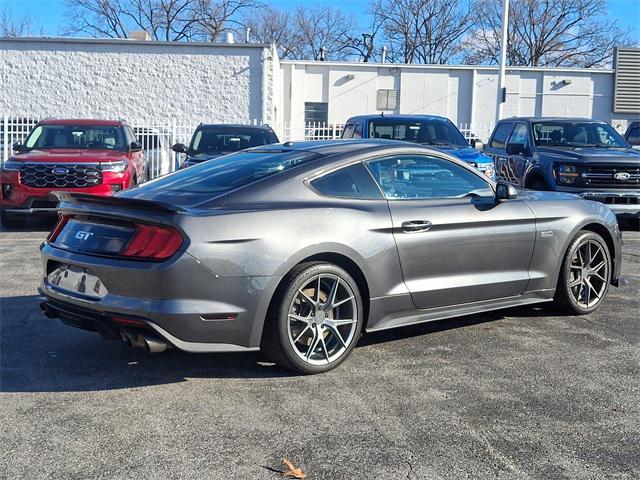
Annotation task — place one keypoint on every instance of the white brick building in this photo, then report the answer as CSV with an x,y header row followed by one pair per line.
x,y
165,83
137,80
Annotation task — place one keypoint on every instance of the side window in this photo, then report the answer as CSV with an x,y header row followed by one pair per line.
x,y
197,137
349,182
519,135
634,136
348,130
423,177
132,135
358,130
501,134
34,137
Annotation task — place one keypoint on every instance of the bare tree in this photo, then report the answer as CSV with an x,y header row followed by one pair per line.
x,y
305,32
272,25
569,33
423,31
171,20
12,26
324,30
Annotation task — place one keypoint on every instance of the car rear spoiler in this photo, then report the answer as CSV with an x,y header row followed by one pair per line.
x,y
136,203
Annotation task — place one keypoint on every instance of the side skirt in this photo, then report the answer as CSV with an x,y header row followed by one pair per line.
x,y
398,310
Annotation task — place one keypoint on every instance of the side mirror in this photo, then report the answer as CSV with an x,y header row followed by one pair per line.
x,y
517,149
135,147
505,191
477,144
18,147
179,148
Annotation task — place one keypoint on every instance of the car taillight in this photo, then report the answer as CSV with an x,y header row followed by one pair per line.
x,y
153,242
58,228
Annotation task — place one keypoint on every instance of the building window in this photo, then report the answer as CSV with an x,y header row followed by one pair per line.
x,y
316,112
387,99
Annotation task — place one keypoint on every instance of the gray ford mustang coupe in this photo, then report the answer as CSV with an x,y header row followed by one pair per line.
x,y
297,248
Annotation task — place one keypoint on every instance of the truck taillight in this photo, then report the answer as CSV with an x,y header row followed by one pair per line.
x,y
62,221
153,242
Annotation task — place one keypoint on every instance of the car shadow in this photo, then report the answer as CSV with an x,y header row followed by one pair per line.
x,y
38,354
426,328
42,223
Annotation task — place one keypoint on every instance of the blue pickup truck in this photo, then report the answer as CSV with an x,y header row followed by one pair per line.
x,y
581,156
431,130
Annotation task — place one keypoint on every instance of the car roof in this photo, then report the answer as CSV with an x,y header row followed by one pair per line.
x,y
401,116
81,121
330,147
235,125
550,119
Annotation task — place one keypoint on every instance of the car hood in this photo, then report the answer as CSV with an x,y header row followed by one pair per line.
x,y
593,155
69,155
467,154
532,195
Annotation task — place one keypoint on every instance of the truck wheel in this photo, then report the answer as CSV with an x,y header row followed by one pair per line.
x,y
11,221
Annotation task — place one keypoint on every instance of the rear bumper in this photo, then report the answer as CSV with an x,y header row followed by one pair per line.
x,y
104,324
180,300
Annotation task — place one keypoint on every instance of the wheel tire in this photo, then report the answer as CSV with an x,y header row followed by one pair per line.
x,y
571,291
278,341
9,221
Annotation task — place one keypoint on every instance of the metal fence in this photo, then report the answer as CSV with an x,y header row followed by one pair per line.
x,y
157,137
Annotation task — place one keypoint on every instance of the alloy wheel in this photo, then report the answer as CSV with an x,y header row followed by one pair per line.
x,y
322,319
588,273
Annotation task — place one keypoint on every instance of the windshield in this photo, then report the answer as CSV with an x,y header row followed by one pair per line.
x,y
427,132
92,137
220,140
231,171
577,134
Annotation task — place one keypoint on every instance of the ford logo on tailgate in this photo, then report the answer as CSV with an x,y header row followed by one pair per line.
x,y
60,171
622,176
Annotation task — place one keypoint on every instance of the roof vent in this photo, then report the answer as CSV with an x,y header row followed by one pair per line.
x,y
228,38
139,35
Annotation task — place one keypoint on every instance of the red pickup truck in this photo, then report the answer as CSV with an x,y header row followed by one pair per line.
x,y
101,157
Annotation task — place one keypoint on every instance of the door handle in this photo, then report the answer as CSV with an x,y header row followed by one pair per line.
x,y
416,226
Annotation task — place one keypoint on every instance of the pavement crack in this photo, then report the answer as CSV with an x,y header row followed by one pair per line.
x,y
410,471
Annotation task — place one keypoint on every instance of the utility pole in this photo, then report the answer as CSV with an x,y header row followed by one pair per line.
x,y
502,90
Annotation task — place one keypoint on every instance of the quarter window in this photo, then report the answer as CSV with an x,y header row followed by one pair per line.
x,y
348,130
501,134
353,181
424,177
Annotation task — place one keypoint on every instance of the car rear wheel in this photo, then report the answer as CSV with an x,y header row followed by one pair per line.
x,y
316,319
584,275
11,221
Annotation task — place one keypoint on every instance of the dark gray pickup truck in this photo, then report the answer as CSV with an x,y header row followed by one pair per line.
x,y
581,156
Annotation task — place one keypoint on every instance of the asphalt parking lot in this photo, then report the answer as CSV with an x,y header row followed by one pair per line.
x,y
522,393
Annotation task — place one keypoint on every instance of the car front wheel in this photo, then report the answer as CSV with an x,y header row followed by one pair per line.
x,y
584,275
316,319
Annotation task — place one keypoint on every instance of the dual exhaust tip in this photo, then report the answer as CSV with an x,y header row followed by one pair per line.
x,y
150,343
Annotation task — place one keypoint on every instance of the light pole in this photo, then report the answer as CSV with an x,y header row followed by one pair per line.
x,y
502,90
